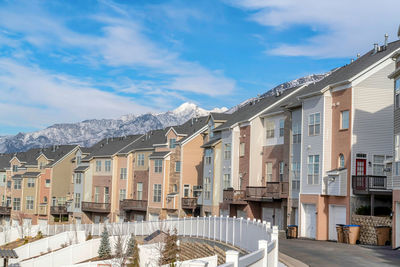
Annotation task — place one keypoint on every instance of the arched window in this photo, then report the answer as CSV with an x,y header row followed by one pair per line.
x,y
341,161
44,199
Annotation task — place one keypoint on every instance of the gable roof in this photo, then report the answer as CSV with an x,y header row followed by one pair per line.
x,y
191,127
5,161
159,154
220,116
253,108
146,141
347,72
113,145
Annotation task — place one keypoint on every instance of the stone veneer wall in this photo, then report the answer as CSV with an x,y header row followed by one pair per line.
x,y
368,223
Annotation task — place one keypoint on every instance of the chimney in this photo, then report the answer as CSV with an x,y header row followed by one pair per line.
x,y
54,148
386,40
375,48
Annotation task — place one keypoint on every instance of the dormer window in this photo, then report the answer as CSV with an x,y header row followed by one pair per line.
x,y
172,143
212,130
15,168
78,160
397,93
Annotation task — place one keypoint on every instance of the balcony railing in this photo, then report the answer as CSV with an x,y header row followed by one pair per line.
x,y
133,204
234,196
367,184
59,209
5,210
189,202
42,209
96,207
272,190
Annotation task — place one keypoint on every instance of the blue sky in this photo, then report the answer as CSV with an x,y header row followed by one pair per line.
x,y
67,61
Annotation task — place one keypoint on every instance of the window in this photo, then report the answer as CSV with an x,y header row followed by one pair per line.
x,y
47,183
172,143
397,93
54,201
106,194
344,118
96,194
157,193
140,159
186,190
296,133
61,201
313,169
378,165
123,174
242,149
98,166
281,127
397,169
227,151
15,168
178,166
158,165
341,161
41,165
77,200
8,201
268,171
295,175
17,184
227,181
8,184
31,182
174,188
78,160
44,199
122,194
207,188
208,156
281,170
107,165
78,178
397,147
314,124
270,125
139,189
29,203
17,203
212,126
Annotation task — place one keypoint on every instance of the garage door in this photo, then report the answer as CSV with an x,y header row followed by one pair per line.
x,y
397,239
337,215
268,215
310,220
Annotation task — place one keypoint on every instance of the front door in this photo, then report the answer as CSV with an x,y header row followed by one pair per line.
x,y
310,220
361,170
268,215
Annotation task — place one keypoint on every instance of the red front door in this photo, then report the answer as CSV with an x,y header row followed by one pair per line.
x,y
361,170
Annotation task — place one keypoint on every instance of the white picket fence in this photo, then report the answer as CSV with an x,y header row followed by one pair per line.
x,y
255,237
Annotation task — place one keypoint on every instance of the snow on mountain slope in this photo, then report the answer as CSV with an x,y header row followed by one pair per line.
x,y
88,132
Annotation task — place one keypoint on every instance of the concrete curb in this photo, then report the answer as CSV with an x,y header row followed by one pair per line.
x,y
291,262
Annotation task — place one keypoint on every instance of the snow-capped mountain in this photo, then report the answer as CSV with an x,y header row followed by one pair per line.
x,y
284,86
88,132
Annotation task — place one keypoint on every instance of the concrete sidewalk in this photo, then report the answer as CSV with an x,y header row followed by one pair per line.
x,y
324,253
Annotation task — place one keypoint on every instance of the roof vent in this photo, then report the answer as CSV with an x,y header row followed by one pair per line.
x,y
352,60
386,41
376,47
358,55
107,140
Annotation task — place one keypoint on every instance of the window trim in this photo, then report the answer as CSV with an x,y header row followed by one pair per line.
x,y
314,125
341,119
314,175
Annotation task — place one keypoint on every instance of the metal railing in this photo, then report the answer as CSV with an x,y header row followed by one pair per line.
x,y
272,190
189,202
4,210
234,196
364,184
59,209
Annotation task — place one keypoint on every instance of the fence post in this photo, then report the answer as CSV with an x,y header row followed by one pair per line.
x,y
184,225
232,256
197,226
227,226
268,225
263,244
233,230
241,229
215,226
220,228
209,227
178,227
274,237
204,226
198,263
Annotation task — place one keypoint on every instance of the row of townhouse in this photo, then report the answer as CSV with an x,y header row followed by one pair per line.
x,y
310,155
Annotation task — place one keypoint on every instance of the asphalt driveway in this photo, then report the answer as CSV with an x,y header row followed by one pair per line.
x,y
323,253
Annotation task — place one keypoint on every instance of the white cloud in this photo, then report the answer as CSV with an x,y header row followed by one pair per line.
x,y
34,98
342,28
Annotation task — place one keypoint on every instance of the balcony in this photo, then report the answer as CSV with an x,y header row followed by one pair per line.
x,y
370,184
58,210
234,196
42,209
189,203
96,207
273,190
5,210
133,204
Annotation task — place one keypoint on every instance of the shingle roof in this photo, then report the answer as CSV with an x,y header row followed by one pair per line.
x,y
113,146
146,141
348,71
246,112
81,168
8,254
55,153
211,142
220,116
29,157
30,174
5,161
159,154
191,127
